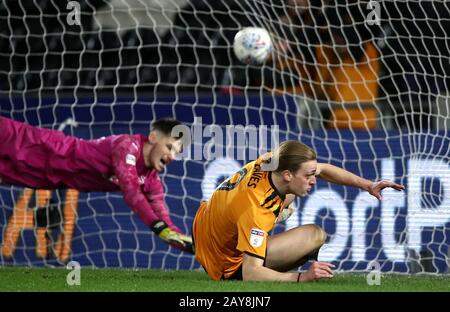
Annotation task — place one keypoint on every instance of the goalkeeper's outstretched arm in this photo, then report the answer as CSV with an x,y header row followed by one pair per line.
x,y
147,200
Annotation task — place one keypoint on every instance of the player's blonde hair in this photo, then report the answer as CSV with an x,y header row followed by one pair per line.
x,y
292,154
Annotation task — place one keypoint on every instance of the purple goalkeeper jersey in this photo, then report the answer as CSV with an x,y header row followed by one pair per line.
x,y
49,159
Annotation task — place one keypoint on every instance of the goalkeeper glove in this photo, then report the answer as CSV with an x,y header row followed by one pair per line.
x,y
174,239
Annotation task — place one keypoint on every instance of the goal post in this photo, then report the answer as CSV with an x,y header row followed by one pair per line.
x,y
365,83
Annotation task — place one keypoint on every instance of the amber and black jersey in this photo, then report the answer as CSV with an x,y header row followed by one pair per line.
x,y
236,220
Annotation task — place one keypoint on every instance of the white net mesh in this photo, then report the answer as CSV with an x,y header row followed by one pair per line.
x,y
365,83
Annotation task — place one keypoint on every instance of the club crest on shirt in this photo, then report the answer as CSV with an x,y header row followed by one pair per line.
x,y
130,160
256,237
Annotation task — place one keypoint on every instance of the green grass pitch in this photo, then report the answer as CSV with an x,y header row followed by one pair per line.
x,y
114,280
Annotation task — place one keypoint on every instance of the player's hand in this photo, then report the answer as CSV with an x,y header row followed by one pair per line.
x,y
316,271
377,187
285,214
174,239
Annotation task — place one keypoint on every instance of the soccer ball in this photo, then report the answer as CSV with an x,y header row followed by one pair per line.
x,y
252,45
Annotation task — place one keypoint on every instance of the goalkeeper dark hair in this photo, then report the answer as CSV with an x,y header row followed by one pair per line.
x,y
292,154
165,126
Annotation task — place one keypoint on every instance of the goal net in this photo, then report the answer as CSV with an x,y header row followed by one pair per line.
x,y
365,83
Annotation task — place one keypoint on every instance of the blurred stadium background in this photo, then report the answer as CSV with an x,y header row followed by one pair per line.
x,y
365,83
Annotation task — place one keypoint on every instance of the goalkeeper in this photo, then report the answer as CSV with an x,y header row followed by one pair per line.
x,y
230,231
48,159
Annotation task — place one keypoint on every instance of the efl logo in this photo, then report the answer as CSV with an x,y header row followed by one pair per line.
x,y
256,237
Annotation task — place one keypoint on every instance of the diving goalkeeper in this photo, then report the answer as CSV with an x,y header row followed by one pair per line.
x,y
48,159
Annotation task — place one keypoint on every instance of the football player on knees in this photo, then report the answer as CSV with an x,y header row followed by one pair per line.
x,y
231,230
48,159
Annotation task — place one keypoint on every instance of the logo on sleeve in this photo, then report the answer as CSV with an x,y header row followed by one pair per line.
x,y
257,237
130,160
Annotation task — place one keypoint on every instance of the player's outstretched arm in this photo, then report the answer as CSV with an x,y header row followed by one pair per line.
x,y
125,170
154,193
341,176
253,269
376,187
124,155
